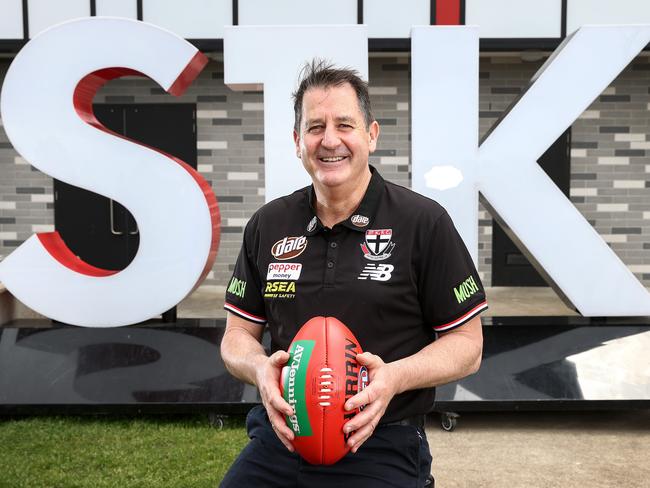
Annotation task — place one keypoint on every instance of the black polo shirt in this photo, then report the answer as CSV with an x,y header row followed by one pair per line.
x,y
395,272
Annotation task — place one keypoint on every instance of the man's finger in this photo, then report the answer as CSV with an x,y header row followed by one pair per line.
x,y
283,439
369,415
278,358
286,443
360,437
362,398
279,426
279,403
368,359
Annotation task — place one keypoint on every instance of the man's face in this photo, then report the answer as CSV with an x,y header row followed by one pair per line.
x,y
334,143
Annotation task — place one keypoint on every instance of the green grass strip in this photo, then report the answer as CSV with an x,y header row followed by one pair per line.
x,y
120,452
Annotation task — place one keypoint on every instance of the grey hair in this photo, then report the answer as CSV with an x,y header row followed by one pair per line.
x,y
323,74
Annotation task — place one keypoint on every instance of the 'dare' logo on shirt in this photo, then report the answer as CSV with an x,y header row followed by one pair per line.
x,y
289,247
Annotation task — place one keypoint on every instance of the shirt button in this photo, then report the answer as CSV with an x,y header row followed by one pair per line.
x,y
333,245
330,264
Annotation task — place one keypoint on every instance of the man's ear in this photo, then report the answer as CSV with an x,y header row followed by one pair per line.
x,y
373,134
296,140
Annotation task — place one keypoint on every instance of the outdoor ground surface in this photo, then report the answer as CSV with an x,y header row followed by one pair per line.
x,y
601,449
565,449
102,452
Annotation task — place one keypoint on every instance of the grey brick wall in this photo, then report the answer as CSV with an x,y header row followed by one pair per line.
x,y
609,165
26,203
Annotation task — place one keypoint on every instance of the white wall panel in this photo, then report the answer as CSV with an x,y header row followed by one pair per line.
x,y
11,19
581,12
192,19
387,18
45,13
117,8
515,18
293,12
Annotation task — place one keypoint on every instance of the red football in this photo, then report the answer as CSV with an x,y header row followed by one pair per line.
x,y
321,374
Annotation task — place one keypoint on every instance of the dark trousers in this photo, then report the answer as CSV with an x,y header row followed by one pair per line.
x,y
395,456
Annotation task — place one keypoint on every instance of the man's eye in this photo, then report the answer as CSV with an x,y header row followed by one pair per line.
x,y
345,126
315,128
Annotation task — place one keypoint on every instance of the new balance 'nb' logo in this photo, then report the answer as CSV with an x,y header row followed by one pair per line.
x,y
377,272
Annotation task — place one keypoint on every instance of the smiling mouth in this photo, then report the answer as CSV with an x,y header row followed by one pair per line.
x,y
335,159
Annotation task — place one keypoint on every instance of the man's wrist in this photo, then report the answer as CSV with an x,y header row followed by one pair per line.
x,y
395,377
256,362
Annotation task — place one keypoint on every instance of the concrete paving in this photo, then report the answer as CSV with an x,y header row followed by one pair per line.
x,y
543,449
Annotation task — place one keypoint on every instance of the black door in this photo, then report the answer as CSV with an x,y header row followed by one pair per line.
x,y
509,266
101,231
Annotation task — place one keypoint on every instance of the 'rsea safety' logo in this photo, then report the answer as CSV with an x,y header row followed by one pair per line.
x,y
289,248
280,289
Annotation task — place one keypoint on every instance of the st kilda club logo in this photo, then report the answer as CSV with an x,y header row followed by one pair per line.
x,y
378,245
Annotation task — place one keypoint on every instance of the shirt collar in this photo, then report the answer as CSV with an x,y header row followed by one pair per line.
x,y
361,218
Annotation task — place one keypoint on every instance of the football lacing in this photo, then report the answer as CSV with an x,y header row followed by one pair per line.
x,y
324,387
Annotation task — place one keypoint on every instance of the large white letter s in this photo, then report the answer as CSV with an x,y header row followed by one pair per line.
x,y
46,105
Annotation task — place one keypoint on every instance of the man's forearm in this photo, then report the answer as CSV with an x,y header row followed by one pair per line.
x,y
451,357
242,354
454,355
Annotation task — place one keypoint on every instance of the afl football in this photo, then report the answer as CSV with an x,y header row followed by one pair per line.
x,y
321,375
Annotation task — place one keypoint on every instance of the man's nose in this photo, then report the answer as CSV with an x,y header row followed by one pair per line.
x,y
331,139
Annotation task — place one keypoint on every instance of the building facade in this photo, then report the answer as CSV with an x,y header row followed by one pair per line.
x,y
604,155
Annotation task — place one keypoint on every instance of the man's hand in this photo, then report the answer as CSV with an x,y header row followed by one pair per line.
x,y
375,398
244,357
268,383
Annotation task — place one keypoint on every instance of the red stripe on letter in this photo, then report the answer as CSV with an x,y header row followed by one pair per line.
x,y
58,250
83,103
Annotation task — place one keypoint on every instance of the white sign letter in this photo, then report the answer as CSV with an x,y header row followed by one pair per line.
x,y
271,57
47,112
563,246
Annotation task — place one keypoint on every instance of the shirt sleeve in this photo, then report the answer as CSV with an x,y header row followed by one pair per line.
x,y
450,290
243,294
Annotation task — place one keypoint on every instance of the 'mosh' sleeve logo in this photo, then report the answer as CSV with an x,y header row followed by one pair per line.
x,y
466,289
237,287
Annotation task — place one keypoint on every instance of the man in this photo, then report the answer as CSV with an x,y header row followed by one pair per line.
x,y
385,261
